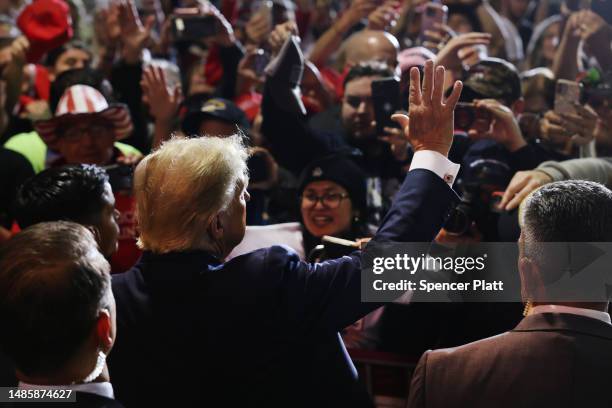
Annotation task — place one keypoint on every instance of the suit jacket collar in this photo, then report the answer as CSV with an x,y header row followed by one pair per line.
x,y
175,268
564,322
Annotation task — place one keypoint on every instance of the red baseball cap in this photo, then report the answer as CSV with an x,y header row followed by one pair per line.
x,y
47,25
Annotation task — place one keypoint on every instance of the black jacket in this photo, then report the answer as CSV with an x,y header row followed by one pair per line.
x,y
259,330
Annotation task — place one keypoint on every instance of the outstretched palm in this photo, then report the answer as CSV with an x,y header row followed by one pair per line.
x,y
430,121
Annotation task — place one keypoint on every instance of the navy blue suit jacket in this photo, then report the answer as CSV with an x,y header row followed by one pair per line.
x,y
259,330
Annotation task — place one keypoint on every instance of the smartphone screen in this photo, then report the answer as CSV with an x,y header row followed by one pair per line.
x,y
386,100
432,14
566,94
193,28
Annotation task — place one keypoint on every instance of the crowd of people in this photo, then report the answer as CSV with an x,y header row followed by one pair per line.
x,y
185,187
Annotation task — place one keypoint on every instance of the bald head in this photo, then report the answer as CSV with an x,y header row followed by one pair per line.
x,y
367,45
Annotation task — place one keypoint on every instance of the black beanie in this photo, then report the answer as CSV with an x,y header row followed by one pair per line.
x,y
341,170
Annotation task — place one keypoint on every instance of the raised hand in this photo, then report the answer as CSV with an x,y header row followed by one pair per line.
x,y
449,54
359,9
438,37
504,128
258,28
134,34
107,26
279,35
523,183
163,102
384,16
430,121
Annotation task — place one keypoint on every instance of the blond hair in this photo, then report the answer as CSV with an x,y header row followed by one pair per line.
x,y
182,186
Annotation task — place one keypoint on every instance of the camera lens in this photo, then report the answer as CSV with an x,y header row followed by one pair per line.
x,y
459,221
464,118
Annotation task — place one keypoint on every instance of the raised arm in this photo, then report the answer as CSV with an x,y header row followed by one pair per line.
x,y
329,294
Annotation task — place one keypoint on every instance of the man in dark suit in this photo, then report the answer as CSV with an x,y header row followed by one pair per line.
x,y
58,313
261,329
560,354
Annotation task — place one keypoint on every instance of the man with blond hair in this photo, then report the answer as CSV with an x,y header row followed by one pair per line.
x,y
262,328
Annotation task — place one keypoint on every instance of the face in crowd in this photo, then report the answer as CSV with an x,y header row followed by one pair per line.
x,y
87,140
73,58
106,225
358,110
326,208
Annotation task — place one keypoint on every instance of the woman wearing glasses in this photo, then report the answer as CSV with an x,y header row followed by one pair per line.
x,y
332,198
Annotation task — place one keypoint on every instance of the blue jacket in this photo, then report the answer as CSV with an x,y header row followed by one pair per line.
x,y
259,330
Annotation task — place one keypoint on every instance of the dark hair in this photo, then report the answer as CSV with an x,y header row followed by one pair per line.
x,y
79,76
64,193
569,211
469,12
52,283
564,212
54,54
366,69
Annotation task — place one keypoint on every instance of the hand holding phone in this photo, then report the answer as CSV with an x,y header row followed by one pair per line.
x,y
194,28
433,14
567,93
468,116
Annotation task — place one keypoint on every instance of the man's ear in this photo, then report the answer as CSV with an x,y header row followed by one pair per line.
x,y
104,330
215,228
531,280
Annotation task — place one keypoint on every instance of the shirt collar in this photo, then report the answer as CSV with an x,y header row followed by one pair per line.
x,y
593,314
103,389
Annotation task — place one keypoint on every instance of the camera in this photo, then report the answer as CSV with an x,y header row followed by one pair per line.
x,y
482,188
468,116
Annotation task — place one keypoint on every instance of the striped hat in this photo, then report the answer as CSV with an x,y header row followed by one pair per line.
x,y
81,100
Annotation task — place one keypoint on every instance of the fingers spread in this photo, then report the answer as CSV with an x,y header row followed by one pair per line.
x,y
438,86
415,97
453,98
428,83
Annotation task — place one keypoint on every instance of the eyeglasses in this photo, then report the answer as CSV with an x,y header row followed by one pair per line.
x,y
356,101
73,134
329,200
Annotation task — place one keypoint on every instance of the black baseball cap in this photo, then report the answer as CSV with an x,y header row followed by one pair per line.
x,y
199,107
492,78
342,170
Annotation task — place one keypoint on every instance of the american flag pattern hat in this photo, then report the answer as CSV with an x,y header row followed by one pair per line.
x,y
80,100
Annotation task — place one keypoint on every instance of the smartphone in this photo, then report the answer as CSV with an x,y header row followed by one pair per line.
x,y
468,116
261,60
386,101
193,28
432,14
567,93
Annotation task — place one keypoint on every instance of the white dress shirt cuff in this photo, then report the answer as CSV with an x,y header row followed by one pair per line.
x,y
436,162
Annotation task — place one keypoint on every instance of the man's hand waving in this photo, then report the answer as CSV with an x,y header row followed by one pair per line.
x,y
430,121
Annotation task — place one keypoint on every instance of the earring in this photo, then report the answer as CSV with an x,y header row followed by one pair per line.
x,y
527,308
